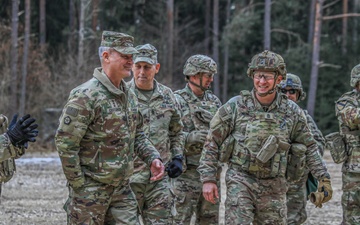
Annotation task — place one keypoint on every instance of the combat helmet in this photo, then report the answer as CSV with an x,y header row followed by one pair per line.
x,y
267,61
293,81
199,64
355,76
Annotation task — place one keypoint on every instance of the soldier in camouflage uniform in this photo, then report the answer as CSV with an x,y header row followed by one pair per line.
x,y
297,193
14,139
163,126
100,130
347,109
198,106
257,129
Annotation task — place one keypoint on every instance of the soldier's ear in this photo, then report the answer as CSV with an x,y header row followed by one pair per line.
x,y
279,79
105,55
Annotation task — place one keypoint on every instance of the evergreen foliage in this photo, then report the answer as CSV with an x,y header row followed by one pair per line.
x,y
147,22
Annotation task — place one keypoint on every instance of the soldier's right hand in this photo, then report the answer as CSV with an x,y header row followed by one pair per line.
x,y
196,137
22,130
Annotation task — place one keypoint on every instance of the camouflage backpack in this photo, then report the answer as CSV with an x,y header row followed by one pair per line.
x,y
7,167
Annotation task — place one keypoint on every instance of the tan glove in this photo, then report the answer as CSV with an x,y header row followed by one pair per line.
x,y
196,137
316,198
325,187
324,193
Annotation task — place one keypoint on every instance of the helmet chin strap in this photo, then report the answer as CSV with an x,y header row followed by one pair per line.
x,y
266,93
272,90
199,86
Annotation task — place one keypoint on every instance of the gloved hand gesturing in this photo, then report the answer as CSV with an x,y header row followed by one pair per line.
x,y
174,168
196,137
23,130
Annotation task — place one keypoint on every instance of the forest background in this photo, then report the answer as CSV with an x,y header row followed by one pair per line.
x,y
49,47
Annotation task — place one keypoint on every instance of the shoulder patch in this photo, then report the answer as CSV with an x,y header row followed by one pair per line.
x,y
67,120
340,105
72,111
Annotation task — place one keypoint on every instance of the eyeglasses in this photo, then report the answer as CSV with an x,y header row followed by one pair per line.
x,y
291,91
266,77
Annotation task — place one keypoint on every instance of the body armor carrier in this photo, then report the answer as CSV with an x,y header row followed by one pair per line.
x,y
252,132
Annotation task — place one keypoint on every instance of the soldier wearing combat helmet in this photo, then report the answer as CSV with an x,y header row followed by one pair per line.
x,y
301,183
253,132
347,109
198,105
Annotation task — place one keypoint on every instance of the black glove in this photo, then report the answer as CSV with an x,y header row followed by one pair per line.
x,y
23,130
25,143
174,168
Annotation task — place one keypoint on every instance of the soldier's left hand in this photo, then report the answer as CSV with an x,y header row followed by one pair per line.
x,y
157,169
210,190
325,186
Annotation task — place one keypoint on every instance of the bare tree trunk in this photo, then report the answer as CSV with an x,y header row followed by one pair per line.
x,y
226,54
13,107
207,27
355,30
170,40
42,23
216,46
311,21
95,13
344,27
71,24
25,57
315,58
80,60
267,24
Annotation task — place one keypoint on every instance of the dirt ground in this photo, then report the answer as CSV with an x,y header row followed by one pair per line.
x,y
37,192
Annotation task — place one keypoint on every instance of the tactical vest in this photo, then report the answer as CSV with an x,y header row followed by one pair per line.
x,y
7,167
251,129
201,113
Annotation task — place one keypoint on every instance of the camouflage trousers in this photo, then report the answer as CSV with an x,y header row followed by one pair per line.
x,y
189,199
350,199
296,201
252,200
155,201
98,203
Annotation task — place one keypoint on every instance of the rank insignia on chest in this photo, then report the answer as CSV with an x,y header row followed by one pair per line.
x,y
269,116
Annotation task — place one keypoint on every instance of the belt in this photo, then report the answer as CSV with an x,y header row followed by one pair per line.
x,y
257,174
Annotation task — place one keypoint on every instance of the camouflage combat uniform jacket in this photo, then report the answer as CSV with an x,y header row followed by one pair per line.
x,y
8,153
348,113
191,106
244,118
162,124
100,131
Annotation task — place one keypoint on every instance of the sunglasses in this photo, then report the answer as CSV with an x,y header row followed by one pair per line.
x,y
291,91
